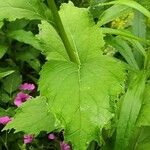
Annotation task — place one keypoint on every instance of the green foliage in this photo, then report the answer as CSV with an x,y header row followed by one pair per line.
x,y
112,13
4,73
25,37
143,142
86,96
125,50
129,111
144,118
12,82
3,49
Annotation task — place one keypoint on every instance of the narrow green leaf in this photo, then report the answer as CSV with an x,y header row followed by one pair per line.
x,y
129,3
143,141
125,50
124,33
112,13
139,25
144,116
33,116
139,53
137,45
130,110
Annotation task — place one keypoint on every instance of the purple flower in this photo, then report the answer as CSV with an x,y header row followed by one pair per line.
x,y
28,139
27,86
51,136
4,120
20,98
64,146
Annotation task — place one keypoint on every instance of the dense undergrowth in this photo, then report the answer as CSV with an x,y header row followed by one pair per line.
x,y
74,75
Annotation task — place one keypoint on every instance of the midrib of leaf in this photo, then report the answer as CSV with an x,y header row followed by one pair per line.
x,y
75,49
79,82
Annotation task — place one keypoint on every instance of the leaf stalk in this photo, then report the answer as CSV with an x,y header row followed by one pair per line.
x,y
70,51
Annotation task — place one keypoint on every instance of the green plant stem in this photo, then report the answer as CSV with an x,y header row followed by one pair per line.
x,y
70,51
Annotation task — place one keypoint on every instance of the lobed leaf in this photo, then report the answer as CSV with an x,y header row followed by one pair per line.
x,y
29,9
33,116
25,37
80,96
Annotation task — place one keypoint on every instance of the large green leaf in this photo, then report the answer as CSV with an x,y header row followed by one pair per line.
x,y
33,116
130,110
29,9
80,96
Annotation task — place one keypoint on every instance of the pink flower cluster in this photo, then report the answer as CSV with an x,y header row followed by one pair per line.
x,y
28,139
63,145
4,120
27,87
22,96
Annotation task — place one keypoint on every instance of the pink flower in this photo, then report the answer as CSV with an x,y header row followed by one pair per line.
x,y
20,98
4,120
64,146
27,86
28,139
51,136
